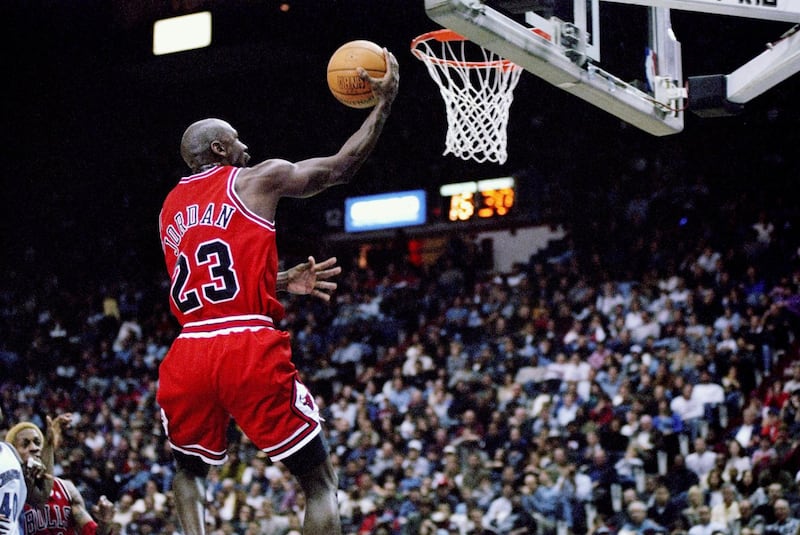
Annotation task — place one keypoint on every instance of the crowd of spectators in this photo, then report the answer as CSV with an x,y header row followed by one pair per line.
x,y
647,384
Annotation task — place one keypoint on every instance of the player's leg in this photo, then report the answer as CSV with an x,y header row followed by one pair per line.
x,y
194,422
278,414
189,489
319,486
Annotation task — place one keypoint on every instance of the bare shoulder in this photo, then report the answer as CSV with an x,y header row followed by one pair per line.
x,y
266,173
74,494
260,187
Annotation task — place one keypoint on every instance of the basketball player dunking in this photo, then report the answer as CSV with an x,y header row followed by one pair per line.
x,y
217,230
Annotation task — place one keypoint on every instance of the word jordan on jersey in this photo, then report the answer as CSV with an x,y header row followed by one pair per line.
x,y
184,220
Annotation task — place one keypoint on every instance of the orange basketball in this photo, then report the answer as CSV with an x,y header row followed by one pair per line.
x,y
343,79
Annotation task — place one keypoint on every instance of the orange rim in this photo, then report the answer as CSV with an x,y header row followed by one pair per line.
x,y
446,36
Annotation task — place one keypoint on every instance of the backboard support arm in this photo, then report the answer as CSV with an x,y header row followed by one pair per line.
x,y
779,10
778,62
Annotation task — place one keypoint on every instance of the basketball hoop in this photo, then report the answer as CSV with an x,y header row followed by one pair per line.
x,y
477,86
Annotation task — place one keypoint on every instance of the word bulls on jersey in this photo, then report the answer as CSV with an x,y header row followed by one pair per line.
x,y
55,518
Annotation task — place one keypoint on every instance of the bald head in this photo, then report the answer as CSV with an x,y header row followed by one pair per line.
x,y
198,146
782,509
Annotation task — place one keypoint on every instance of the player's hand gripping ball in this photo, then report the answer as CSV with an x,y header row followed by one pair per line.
x,y
343,79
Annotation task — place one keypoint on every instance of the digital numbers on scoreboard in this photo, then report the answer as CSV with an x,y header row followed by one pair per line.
x,y
482,199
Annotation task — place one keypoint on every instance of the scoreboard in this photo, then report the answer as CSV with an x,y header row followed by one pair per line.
x,y
482,199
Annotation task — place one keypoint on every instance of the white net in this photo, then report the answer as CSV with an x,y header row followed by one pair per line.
x,y
477,86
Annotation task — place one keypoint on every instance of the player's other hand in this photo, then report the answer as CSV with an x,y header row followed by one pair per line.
x,y
35,470
5,524
103,511
55,429
310,278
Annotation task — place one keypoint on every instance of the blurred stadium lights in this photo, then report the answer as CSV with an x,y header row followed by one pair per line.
x,y
186,32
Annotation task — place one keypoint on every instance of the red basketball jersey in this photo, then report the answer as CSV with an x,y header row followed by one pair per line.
x,y
222,258
229,360
55,518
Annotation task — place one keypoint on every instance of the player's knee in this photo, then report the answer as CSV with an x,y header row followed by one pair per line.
x,y
320,482
309,457
313,469
191,464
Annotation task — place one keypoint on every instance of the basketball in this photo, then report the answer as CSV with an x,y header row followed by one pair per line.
x,y
343,79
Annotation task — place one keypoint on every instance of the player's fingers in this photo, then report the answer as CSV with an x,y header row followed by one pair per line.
x,y
390,58
326,264
321,295
371,80
329,286
328,273
393,67
363,74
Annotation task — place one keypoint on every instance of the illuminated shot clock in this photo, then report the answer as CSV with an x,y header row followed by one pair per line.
x,y
482,199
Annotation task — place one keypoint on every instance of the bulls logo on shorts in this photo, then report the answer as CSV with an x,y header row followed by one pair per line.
x,y
304,401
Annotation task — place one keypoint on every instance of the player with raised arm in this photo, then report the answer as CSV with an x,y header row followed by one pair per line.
x,y
217,229
64,512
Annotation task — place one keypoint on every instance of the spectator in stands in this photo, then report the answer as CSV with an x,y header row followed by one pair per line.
x,y
695,499
545,501
664,511
610,380
748,519
649,328
704,524
689,409
784,524
638,523
737,463
415,462
701,460
793,383
727,511
629,466
499,508
775,492
748,488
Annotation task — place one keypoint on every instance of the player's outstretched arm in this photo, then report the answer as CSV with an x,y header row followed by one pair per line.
x,y
321,173
104,511
262,185
53,438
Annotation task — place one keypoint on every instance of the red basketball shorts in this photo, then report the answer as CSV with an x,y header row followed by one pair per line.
x,y
216,372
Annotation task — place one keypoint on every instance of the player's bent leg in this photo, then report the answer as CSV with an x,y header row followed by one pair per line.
x,y
189,488
319,484
322,509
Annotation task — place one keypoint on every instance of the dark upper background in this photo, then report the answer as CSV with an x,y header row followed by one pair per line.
x,y
93,121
